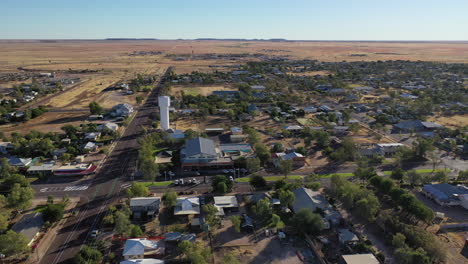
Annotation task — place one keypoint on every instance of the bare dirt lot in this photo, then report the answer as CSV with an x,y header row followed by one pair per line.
x,y
249,250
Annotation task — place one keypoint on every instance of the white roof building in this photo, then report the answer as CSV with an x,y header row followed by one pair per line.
x,y
138,247
142,261
111,126
360,259
187,206
226,201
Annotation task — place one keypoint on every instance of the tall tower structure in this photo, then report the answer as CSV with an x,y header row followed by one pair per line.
x,y
164,104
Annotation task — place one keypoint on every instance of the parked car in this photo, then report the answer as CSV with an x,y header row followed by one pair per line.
x,y
94,233
176,182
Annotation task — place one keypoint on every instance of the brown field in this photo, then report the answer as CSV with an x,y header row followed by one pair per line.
x,y
198,90
455,121
111,58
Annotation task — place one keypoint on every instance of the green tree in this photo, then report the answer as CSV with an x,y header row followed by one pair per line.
x,y
5,168
169,199
398,240
406,255
257,181
236,222
122,223
149,168
230,259
53,212
88,255
306,222
135,231
211,218
253,164
421,146
20,197
4,214
263,209
218,187
285,167
95,108
398,174
368,207
195,252
262,153
12,243
16,178
463,176
138,190
275,221
286,197
414,178
440,176
277,147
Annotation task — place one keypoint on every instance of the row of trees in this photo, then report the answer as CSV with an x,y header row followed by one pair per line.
x,y
18,198
403,199
355,198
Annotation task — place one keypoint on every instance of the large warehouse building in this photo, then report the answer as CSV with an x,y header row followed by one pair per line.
x,y
446,194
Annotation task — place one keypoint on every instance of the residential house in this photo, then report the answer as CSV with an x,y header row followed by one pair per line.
x,y
92,136
359,259
226,95
6,147
187,206
294,129
226,203
416,126
325,108
310,109
308,199
19,162
122,110
145,206
164,156
298,160
108,126
258,88
90,146
236,131
139,248
346,237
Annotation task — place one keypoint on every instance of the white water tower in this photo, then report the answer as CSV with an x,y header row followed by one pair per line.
x,y
164,104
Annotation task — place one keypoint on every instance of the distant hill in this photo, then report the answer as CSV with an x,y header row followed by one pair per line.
x,y
131,39
221,39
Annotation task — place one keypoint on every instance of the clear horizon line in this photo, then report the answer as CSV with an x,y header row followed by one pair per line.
x,y
234,39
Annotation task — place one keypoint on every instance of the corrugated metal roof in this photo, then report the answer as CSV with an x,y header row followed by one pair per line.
x,y
200,146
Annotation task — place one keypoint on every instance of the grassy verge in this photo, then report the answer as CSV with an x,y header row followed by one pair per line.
x,y
422,171
343,174
271,178
157,183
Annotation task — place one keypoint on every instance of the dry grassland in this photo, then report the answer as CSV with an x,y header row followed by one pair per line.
x,y
111,58
455,121
198,90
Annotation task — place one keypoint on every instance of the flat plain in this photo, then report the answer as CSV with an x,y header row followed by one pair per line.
x,y
114,62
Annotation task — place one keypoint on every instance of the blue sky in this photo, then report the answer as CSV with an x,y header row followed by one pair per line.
x,y
290,19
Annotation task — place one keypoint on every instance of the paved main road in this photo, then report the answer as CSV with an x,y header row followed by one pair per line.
x,y
103,189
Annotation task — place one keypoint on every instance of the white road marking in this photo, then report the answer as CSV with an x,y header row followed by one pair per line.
x,y
65,189
126,185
